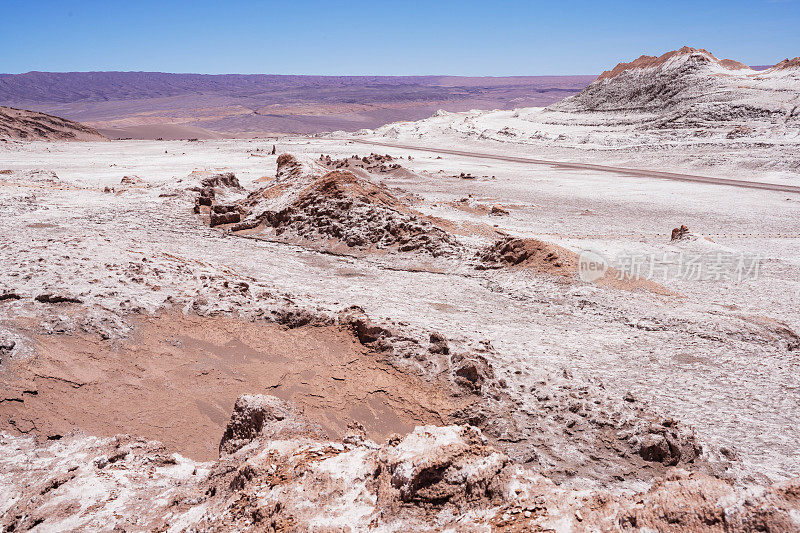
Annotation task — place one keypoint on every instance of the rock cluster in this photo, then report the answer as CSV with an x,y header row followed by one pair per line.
x,y
371,163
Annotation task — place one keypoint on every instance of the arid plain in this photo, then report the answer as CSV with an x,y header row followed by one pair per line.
x,y
397,324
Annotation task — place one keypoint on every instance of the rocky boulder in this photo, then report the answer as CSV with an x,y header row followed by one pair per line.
x,y
226,180
444,464
668,445
256,416
681,233
367,330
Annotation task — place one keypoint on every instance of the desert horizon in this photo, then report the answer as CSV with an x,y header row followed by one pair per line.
x,y
167,106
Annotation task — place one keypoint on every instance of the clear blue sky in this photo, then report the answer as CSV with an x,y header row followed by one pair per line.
x,y
466,37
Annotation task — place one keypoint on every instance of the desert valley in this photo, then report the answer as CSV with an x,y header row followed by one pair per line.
x,y
578,311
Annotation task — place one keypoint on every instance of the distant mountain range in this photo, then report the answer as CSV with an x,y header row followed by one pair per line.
x,y
158,105
153,104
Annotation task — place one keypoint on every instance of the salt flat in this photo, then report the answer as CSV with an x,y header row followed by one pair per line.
x,y
711,355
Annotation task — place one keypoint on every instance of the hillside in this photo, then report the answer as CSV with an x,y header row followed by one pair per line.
x,y
19,124
691,87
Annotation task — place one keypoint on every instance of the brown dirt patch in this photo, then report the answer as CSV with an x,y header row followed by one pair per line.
x,y
473,208
547,258
177,377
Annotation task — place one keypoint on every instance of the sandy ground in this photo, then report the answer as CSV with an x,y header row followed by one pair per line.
x,y
716,357
176,378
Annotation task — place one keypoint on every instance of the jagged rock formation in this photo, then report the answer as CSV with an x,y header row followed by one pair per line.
x,y
282,475
308,202
19,124
257,416
691,87
211,191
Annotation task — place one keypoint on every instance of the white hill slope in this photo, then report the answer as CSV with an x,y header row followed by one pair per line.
x,y
686,110
692,87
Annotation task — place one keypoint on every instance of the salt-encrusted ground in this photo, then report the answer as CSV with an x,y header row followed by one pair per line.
x,y
718,355
345,298
709,356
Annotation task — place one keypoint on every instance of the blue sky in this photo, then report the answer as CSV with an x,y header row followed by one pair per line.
x,y
330,37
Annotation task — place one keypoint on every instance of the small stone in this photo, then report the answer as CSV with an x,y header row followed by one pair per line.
x,y
629,397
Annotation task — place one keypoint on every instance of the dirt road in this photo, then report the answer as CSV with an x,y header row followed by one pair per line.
x,y
600,168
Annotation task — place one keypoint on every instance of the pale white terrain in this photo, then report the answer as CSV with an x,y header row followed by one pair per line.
x,y
706,362
685,110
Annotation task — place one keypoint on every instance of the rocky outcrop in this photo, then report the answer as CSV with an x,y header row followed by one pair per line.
x,y
665,443
7,345
9,296
211,191
439,465
472,372
132,181
680,233
433,478
309,203
88,483
430,477
50,298
225,180
226,217
498,210
529,253
372,163
738,132
683,501
365,329
258,416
